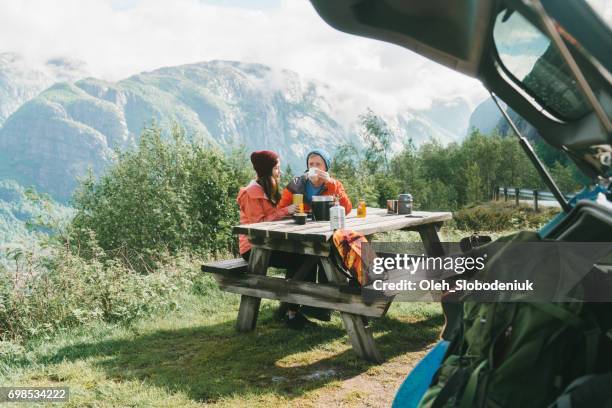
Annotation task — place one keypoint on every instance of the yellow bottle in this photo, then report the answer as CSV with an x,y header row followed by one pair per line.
x,y
361,209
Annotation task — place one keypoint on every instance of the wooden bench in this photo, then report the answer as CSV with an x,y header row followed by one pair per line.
x,y
237,265
232,277
313,241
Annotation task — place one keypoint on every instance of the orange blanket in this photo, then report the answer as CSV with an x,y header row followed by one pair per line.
x,y
348,243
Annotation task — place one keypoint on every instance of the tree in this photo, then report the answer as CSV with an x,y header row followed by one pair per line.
x,y
287,175
564,177
473,182
162,197
377,138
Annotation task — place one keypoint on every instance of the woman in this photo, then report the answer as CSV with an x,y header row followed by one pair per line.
x,y
259,201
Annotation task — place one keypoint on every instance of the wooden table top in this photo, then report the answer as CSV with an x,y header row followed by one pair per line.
x,y
376,220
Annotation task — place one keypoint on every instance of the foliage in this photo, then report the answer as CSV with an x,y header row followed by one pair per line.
x,y
24,214
498,216
473,193
442,177
47,291
377,138
163,197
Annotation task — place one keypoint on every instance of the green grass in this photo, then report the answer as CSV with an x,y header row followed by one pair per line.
x,y
194,356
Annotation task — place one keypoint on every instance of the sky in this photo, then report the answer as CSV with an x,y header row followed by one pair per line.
x,y
119,38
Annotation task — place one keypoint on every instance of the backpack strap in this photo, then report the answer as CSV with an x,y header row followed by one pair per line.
x,y
452,387
467,400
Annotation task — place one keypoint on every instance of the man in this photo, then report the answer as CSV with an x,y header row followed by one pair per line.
x,y
315,182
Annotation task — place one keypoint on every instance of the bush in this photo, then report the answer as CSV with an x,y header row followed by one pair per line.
x,y
499,216
59,290
163,197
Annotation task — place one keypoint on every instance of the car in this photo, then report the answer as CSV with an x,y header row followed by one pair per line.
x,y
550,61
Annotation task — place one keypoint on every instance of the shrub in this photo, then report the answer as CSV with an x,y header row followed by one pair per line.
x,y
163,197
499,216
43,294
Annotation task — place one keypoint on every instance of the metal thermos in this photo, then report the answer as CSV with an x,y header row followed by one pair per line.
x,y
321,206
404,204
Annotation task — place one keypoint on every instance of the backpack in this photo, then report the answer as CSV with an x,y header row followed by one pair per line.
x,y
520,354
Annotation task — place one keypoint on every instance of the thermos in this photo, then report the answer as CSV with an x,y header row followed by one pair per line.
x,y
337,216
404,204
320,207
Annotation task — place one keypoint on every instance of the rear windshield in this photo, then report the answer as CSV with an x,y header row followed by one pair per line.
x,y
532,59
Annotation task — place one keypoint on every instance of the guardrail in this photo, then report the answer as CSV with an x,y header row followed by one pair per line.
x,y
526,194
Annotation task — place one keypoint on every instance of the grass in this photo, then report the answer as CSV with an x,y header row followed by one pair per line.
x,y
193,356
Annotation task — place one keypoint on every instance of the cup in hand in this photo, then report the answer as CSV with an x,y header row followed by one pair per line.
x,y
298,199
312,173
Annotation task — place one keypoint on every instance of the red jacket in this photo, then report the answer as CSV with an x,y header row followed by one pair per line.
x,y
255,207
331,187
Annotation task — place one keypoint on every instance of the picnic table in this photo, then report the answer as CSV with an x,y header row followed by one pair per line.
x,y
314,241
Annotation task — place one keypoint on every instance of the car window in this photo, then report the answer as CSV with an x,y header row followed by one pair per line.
x,y
535,63
603,8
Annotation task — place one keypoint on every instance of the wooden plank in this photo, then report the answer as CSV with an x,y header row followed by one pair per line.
x,y
280,225
452,310
320,231
246,228
306,248
431,241
326,296
228,265
360,337
249,306
391,223
264,229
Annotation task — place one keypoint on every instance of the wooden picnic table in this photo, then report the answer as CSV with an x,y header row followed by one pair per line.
x,y
314,240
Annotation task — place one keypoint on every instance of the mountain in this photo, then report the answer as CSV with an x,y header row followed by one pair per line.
x,y
53,138
17,209
20,82
451,116
487,118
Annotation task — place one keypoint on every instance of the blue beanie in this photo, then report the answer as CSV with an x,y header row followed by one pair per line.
x,y
324,155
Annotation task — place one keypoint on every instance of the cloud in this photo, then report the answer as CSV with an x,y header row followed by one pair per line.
x,y
119,38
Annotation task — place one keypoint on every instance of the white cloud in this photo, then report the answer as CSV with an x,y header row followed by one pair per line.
x,y
121,38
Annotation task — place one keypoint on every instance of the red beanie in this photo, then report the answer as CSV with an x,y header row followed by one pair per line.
x,y
263,162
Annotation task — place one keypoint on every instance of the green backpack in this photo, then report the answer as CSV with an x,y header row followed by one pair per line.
x,y
520,354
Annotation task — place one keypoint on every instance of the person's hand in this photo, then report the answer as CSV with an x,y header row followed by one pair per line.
x,y
323,175
291,209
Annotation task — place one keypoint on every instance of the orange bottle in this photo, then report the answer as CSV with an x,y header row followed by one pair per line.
x,y
361,209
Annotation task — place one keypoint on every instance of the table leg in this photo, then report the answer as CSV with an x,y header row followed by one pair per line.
x,y
453,311
431,240
249,305
361,338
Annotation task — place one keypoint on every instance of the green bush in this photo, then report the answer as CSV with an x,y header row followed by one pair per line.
x,y
45,293
163,197
442,177
499,216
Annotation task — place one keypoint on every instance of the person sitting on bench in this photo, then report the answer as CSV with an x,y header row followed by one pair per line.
x,y
259,202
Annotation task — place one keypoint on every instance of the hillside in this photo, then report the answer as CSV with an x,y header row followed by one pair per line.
x,y
22,80
55,137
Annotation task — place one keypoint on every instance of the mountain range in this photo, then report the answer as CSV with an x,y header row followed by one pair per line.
x,y
56,126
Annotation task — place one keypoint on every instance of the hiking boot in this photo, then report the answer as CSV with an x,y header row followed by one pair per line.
x,y
298,322
323,315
